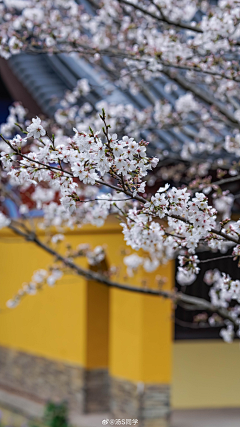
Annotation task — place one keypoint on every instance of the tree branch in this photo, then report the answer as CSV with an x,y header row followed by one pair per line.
x,y
162,19
226,180
203,261
202,94
176,297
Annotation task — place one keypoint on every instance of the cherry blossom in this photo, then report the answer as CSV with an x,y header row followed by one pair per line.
x,y
35,129
4,221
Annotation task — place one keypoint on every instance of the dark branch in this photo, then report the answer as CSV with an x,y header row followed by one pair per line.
x,y
176,297
162,18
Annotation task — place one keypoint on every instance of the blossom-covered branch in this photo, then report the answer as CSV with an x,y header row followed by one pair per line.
x,y
171,200
50,278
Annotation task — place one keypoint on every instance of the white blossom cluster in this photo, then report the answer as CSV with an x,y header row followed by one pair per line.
x,y
17,114
40,278
88,159
49,277
188,270
4,221
134,261
224,290
91,159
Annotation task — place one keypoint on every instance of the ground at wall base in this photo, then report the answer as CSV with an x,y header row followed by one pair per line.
x,y
18,411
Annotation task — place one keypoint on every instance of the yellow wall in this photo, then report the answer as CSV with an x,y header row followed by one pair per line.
x,y
67,323
71,322
206,374
55,322
141,334
50,323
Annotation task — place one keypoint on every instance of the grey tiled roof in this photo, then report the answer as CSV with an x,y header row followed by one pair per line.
x,y
49,76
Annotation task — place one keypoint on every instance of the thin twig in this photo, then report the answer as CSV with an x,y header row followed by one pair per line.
x,y
215,259
162,19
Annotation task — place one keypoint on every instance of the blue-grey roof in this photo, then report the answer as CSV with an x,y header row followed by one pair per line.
x,y
48,76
